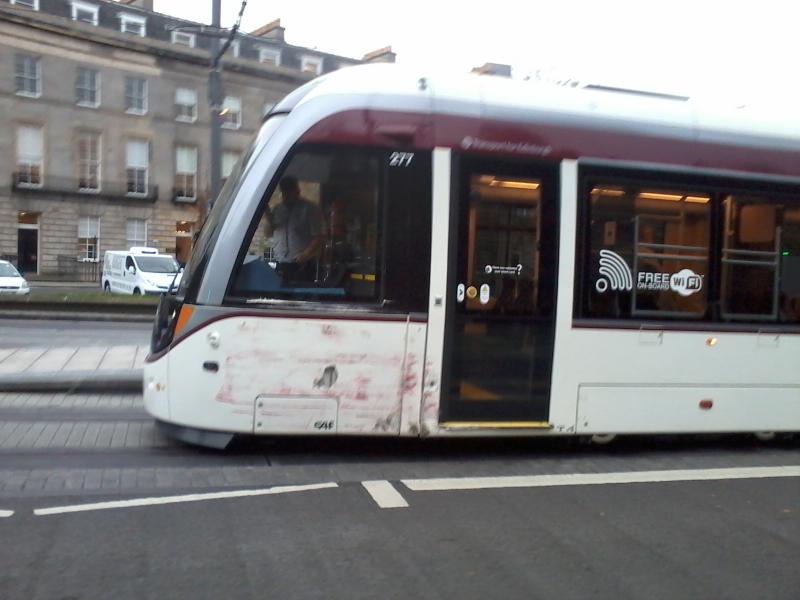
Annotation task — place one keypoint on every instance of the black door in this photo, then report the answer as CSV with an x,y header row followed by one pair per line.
x,y
501,321
28,250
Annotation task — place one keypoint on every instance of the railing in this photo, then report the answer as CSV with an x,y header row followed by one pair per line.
x,y
74,186
76,269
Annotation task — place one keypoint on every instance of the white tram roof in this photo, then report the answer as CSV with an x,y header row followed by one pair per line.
x,y
392,87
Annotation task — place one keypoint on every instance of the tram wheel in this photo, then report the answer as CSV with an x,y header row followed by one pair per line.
x,y
602,439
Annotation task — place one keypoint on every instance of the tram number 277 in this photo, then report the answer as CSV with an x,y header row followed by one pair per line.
x,y
400,159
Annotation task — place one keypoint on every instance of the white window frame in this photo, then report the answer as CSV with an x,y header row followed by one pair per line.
x,y
88,162
190,37
229,160
129,167
126,18
145,93
35,4
37,77
30,161
226,123
85,6
83,246
273,54
181,118
132,241
182,176
84,103
307,60
235,48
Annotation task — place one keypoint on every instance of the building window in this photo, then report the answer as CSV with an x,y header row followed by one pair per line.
x,y
229,160
29,156
88,239
185,173
34,4
311,64
87,87
185,105
85,12
138,159
183,39
231,113
27,75
136,232
136,95
235,48
269,56
89,162
133,24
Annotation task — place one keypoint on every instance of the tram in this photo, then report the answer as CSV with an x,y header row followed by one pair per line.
x,y
482,256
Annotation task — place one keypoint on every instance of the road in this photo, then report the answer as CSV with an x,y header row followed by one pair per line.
x,y
17,333
373,518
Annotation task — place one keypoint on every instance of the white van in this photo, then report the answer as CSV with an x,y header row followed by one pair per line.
x,y
139,271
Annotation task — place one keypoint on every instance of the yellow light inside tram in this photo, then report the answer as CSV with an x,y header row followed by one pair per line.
x,y
660,196
516,185
608,192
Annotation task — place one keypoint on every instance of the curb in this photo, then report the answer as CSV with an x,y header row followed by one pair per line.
x,y
75,316
112,380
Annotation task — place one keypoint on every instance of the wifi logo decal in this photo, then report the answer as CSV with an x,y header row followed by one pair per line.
x,y
614,273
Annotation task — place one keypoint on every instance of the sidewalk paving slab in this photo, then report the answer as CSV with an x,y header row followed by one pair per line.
x,y
59,369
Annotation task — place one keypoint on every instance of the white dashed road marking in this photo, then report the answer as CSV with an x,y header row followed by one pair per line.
x,y
385,494
481,483
285,489
6,513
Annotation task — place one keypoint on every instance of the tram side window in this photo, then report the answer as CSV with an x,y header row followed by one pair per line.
x,y
760,260
318,233
648,252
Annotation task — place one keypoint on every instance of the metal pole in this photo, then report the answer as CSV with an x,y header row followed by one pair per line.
x,y
215,103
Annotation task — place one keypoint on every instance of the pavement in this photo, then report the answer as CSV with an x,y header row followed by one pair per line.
x,y
96,368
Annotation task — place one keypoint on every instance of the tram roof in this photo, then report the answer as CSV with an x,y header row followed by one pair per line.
x,y
392,87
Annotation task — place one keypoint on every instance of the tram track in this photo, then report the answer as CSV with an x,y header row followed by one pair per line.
x,y
106,444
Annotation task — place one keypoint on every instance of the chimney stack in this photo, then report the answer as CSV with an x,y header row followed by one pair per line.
x,y
145,4
270,31
495,69
382,55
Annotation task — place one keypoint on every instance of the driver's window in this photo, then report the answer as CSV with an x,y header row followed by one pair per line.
x,y
318,232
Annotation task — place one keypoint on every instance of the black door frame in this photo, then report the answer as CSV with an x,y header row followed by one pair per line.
x,y
462,166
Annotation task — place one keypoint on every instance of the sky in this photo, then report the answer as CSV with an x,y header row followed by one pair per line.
x,y
733,52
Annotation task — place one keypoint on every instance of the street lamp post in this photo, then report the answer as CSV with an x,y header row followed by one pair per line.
x,y
215,95
215,102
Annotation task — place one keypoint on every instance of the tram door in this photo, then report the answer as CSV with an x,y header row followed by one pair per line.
x,y
500,324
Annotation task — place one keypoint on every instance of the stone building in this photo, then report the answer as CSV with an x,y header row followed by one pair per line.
x,y
106,120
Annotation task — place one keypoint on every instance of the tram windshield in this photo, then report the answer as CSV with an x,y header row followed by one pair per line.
x,y
210,230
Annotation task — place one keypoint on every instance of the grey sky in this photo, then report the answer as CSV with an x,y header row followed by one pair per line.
x,y
730,51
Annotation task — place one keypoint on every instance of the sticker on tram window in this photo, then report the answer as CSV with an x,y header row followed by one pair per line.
x,y
616,274
472,292
460,293
400,159
499,270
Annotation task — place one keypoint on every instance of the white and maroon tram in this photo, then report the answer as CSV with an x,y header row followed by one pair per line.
x,y
486,256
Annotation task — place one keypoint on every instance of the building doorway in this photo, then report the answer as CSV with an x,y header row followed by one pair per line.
x,y
28,242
